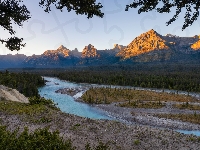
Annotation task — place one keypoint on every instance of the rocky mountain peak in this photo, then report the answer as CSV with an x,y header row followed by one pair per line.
x,y
61,50
152,32
89,51
75,53
61,47
75,50
118,47
147,47
146,42
115,45
90,46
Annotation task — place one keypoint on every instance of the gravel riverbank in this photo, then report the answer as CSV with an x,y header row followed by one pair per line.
x,y
140,116
147,117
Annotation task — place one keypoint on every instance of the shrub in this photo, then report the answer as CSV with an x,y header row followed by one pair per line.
x,y
40,100
39,139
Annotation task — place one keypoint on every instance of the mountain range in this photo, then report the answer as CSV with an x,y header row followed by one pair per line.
x,y
147,47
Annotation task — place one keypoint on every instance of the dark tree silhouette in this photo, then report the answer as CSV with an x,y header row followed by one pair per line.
x,y
191,7
11,11
14,11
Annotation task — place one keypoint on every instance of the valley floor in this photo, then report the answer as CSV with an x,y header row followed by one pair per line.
x,y
159,117
115,134
137,129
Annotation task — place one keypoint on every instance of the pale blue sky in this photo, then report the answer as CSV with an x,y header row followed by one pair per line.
x,y
47,31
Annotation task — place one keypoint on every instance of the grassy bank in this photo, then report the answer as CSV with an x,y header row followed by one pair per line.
x,y
39,110
134,97
187,105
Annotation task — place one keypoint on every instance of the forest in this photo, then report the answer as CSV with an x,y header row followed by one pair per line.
x,y
175,81
25,83
180,77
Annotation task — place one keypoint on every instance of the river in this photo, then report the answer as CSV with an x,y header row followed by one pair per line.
x,y
67,103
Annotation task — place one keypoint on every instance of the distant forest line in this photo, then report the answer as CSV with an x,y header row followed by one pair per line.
x,y
181,77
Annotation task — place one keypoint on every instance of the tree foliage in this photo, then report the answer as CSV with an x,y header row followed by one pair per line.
x,y
40,139
87,7
25,83
191,7
149,79
12,11
163,76
15,11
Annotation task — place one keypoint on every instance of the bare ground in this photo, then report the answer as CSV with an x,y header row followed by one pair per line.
x,y
143,116
116,134
136,129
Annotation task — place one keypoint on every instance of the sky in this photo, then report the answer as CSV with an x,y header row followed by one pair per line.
x,y
47,31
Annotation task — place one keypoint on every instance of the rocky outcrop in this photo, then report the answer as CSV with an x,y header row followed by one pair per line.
x,y
60,51
75,53
89,52
144,43
154,46
54,58
12,95
118,47
93,57
180,44
180,41
196,45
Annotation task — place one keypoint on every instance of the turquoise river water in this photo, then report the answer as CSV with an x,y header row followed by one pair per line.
x,y
67,103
